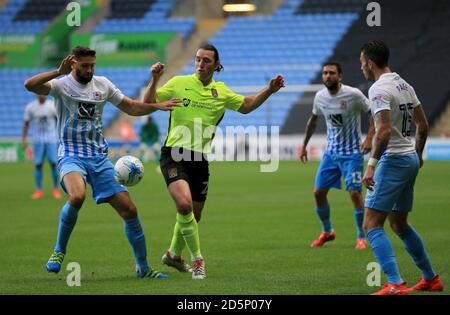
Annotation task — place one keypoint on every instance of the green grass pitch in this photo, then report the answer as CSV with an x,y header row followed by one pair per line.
x,y
255,235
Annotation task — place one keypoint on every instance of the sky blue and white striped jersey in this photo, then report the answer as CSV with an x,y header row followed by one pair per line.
x,y
79,108
342,113
391,92
42,118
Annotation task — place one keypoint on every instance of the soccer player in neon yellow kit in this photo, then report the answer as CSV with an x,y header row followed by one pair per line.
x,y
205,101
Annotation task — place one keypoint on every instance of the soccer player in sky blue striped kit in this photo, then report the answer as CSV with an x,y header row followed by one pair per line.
x,y
341,105
394,105
41,114
83,152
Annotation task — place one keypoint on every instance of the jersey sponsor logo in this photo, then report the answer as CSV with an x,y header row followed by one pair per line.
x,y
42,120
343,104
214,93
187,89
86,110
336,120
186,102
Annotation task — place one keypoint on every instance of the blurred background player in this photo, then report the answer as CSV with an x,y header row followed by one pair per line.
x,y
150,147
341,105
183,158
394,105
83,152
41,113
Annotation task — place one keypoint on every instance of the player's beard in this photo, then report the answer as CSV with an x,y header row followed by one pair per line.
x,y
332,86
84,78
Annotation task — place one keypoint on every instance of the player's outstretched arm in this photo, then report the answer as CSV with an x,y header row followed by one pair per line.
x,y
39,83
366,146
310,128
421,131
157,70
136,108
252,102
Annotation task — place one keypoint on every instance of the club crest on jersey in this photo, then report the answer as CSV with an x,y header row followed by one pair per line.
x,y
186,102
214,93
343,104
172,172
97,95
377,101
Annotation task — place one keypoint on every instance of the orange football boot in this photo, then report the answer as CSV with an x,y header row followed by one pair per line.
x,y
323,238
361,244
433,285
393,289
38,194
56,193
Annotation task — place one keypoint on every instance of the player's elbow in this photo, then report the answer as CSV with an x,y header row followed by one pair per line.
x,y
245,109
387,132
27,84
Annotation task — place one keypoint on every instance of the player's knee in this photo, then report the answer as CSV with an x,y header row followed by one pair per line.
x,y
355,195
197,215
76,199
320,195
366,227
38,166
398,227
129,212
184,205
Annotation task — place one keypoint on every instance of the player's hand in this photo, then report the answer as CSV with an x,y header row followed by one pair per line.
x,y
366,146
157,70
420,161
303,155
276,84
169,105
24,146
368,180
66,65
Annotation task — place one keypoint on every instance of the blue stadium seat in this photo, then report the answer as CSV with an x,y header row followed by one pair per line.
x,y
15,97
153,20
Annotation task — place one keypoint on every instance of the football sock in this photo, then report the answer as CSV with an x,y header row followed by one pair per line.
x,y
189,229
136,238
359,217
384,254
67,221
178,242
324,216
38,176
414,246
55,177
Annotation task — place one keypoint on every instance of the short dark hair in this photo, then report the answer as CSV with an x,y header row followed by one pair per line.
x,y
83,51
377,51
210,47
332,63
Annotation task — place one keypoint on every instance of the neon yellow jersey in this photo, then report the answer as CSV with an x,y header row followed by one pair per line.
x,y
192,125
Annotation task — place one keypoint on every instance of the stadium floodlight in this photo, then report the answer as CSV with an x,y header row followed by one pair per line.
x,y
239,7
